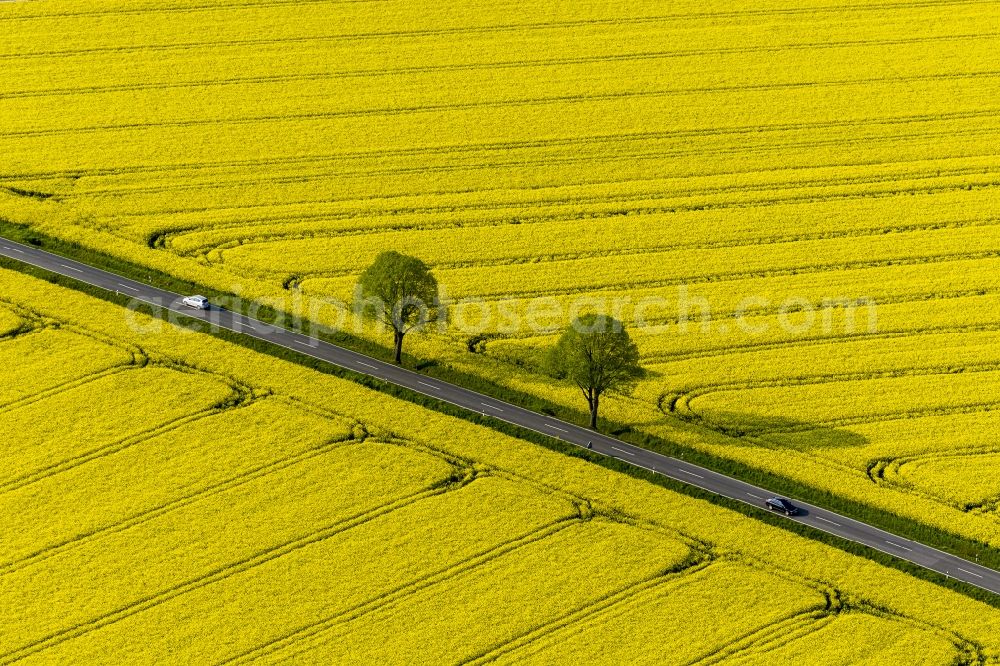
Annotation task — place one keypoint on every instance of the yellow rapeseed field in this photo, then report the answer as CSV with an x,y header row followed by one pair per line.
x,y
596,155
197,502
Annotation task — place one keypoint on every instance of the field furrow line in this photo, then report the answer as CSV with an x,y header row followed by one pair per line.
x,y
223,572
707,244
384,202
731,277
499,28
781,633
979,407
667,358
905,4
238,398
407,71
111,449
186,9
215,181
668,580
569,99
68,386
835,377
679,406
315,632
20,332
157,239
491,65
178,503
888,472
739,133
218,252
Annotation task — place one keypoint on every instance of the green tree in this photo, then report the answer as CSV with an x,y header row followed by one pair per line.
x,y
597,354
399,291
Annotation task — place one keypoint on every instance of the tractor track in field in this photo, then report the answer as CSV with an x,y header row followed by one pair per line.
x,y
333,74
317,633
223,572
482,29
179,502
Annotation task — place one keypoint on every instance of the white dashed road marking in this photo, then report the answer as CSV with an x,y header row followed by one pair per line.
x,y
971,573
691,473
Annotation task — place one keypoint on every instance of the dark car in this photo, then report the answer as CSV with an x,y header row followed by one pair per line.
x,y
781,504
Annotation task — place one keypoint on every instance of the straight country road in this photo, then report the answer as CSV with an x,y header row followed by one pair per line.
x,y
679,470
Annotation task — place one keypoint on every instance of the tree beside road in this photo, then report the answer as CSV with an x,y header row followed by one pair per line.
x,y
597,354
399,291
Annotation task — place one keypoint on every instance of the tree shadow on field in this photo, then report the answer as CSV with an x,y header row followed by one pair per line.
x,y
752,430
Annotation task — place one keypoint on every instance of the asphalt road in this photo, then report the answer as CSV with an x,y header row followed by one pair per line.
x,y
679,470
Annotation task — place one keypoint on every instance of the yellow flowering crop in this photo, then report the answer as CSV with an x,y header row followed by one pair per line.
x,y
166,469
253,510
10,322
856,638
39,369
571,570
46,435
651,626
591,152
